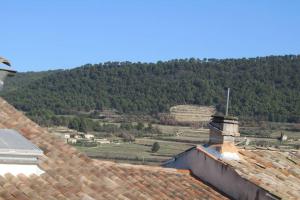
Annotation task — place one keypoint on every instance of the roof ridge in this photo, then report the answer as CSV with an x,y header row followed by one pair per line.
x,y
139,166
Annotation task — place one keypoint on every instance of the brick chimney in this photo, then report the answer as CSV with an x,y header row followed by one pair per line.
x,y
223,130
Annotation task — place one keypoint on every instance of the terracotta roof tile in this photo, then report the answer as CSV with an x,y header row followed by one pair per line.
x,y
274,171
70,174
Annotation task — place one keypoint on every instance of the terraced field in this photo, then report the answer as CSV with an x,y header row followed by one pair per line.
x,y
192,113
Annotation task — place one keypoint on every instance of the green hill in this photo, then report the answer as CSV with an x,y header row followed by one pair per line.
x,y
24,78
263,87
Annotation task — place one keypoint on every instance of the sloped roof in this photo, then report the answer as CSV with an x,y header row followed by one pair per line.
x,y
276,171
265,173
12,143
71,175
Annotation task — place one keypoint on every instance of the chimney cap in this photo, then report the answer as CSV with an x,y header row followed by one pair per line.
x,y
5,71
224,117
4,61
6,68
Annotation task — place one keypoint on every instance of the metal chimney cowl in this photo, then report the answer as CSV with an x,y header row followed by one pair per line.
x,y
5,70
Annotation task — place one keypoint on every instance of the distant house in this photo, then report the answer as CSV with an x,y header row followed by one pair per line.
x,y
89,136
79,136
283,137
72,140
102,141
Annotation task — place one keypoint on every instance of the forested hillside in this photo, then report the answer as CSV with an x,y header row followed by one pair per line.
x,y
264,87
24,78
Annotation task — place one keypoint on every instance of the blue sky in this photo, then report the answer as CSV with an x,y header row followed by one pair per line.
x,y
42,35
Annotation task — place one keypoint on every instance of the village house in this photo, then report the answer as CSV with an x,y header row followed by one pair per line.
x,y
67,136
76,137
79,136
89,136
72,141
283,137
102,141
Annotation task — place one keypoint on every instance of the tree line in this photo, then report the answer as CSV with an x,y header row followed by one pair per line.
x,y
264,88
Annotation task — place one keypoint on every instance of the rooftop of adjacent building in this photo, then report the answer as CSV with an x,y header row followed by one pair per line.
x,y
276,171
72,175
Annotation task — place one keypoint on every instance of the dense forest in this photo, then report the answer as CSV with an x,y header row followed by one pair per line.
x,y
22,79
266,88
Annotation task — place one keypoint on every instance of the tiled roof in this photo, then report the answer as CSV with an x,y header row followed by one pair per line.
x,y
71,175
275,171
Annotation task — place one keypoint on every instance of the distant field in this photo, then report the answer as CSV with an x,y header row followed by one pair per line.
x,y
176,139
173,140
192,113
274,130
136,152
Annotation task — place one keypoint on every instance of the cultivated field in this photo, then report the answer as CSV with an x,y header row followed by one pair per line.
x,y
192,113
138,152
176,139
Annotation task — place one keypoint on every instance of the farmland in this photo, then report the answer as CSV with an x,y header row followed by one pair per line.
x,y
176,139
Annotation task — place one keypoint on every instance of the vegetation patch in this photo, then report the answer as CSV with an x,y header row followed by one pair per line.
x,y
264,88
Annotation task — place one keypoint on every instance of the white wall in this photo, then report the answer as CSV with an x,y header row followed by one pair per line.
x,y
220,175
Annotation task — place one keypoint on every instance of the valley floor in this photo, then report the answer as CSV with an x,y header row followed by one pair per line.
x,y
174,140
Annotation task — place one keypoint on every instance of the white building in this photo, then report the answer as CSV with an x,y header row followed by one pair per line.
x,y
102,141
89,136
72,140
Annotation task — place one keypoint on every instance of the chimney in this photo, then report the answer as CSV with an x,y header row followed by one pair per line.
x,y
5,71
223,130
